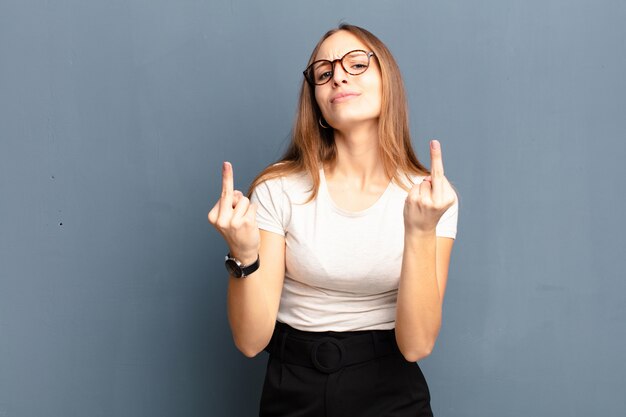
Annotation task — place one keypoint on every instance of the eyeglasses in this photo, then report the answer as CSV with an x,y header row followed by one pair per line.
x,y
354,63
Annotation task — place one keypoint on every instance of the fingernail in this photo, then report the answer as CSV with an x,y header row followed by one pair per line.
x,y
434,144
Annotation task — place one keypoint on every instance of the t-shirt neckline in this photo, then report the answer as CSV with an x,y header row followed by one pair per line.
x,y
326,195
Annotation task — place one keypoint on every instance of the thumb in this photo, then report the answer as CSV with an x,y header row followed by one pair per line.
x,y
252,211
237,195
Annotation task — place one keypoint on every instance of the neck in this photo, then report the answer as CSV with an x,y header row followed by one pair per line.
x,y
358,160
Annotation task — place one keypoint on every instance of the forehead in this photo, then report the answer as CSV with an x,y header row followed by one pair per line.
x,y
338,44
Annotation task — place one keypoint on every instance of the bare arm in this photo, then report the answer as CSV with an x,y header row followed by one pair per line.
x,y
253,300
420,294
425,263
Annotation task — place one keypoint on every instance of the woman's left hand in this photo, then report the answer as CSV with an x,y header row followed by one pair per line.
x,y
428,200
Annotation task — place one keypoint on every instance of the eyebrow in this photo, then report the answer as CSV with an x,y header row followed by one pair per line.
x,y
340,56
325,59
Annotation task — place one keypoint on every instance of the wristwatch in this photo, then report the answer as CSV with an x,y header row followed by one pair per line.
x,y
237,270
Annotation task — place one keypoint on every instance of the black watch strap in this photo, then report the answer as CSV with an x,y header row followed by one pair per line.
x,y
236,269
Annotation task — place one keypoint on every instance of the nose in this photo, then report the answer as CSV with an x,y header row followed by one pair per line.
x,y
339,74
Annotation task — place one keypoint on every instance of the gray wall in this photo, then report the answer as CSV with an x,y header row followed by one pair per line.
x,y
115,116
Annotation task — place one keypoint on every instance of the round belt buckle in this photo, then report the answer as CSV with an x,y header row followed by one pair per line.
x,y
340,348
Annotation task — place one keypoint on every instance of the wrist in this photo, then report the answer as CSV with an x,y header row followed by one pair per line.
x,y
420,239
245,258
420,233
240,268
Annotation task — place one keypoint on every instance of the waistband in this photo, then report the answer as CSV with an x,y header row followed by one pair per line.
x,y
329,352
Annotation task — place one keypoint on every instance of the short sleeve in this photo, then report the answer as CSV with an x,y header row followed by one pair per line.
x,y
272,206
448,221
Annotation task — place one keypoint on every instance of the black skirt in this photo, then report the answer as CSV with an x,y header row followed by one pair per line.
x,y
341,374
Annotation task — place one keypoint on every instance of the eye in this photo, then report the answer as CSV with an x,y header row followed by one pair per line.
x,y
356,61
322,71
324,75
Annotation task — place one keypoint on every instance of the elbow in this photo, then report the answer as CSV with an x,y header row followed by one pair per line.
x,y
417,345
250,349
417,353
249,353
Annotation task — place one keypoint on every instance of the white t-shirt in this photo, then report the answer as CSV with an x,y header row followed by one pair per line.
x,y
342,269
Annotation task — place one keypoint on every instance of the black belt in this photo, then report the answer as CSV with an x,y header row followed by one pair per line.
x,y
329,352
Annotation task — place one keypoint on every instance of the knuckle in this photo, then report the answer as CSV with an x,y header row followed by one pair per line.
x,y
413,199
251,217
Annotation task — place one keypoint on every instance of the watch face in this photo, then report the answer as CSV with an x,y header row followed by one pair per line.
x,y
233,268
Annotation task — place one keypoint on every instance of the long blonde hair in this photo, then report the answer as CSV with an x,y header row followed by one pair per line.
x,y
312,146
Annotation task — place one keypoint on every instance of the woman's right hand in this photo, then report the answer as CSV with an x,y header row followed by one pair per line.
x,y
235,218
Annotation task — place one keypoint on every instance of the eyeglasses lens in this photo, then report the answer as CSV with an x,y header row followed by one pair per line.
x,y
354,63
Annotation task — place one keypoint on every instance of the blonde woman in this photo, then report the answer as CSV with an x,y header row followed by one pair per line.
x,y
339,255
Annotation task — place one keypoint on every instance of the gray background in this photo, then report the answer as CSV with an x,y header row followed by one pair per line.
x,y
116,115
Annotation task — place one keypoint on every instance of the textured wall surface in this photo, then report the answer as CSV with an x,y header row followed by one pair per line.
x,y
116,115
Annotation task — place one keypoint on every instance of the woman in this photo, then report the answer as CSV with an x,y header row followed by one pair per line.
x,y
344,282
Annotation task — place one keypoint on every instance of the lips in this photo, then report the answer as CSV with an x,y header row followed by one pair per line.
x,y
338,98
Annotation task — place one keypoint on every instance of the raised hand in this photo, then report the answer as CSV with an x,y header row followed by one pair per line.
x,y
235,218
428,200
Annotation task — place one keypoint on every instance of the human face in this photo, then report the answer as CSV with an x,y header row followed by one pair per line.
x,y
347,100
